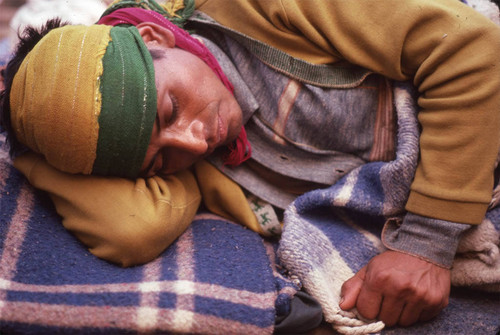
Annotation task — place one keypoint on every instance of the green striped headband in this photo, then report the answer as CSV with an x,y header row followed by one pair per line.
x,y
128,105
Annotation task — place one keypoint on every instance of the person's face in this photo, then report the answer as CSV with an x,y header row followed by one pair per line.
x,y
196,113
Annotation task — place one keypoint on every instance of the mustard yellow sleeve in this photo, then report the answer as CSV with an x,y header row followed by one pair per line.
x,y
224,197
120,220
449,51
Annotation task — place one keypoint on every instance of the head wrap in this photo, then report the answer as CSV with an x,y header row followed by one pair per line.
x,y
85,97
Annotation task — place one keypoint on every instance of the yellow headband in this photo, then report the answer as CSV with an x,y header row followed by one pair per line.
x,y
50,93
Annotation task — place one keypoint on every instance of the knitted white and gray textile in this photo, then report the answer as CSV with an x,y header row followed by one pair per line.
x,y
330,234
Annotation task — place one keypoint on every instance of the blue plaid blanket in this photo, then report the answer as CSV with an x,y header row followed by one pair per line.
x,y
218,278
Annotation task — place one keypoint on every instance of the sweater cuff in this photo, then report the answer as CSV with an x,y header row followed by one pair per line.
x,y
433,240
454,211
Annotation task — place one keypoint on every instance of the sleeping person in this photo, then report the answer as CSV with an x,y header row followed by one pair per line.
x,y
130,123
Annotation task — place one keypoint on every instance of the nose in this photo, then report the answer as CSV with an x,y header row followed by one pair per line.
x,y
189,138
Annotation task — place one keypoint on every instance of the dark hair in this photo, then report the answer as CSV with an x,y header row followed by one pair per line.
x,y
27,41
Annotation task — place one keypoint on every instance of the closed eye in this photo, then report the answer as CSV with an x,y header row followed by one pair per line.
x,y
175,109
151,168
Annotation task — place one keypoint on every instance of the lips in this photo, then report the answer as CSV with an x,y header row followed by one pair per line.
x,y
219,130
217,133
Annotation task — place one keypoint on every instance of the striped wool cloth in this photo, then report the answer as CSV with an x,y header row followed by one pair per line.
x,y
218,278
330,234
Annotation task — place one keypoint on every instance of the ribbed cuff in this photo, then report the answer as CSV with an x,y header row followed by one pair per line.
x,y
434,240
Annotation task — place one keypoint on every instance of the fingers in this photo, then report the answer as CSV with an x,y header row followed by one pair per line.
x,y
425,305
410,314
369,302
396,309
408,299
399,307
398,289
421,311
350,290
431,312
390,311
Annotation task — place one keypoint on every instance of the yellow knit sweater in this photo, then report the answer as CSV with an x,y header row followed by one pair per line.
x,y
451,53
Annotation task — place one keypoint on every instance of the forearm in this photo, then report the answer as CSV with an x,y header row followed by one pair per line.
x,y
449,51
120,220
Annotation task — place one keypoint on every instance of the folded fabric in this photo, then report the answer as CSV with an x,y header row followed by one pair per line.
x,y
330,234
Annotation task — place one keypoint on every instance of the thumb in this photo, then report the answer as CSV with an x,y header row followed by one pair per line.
x,y
350,290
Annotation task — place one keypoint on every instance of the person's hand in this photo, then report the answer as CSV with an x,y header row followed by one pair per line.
x,y
397,288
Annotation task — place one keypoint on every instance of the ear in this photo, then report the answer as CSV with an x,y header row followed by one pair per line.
x,y
154,34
